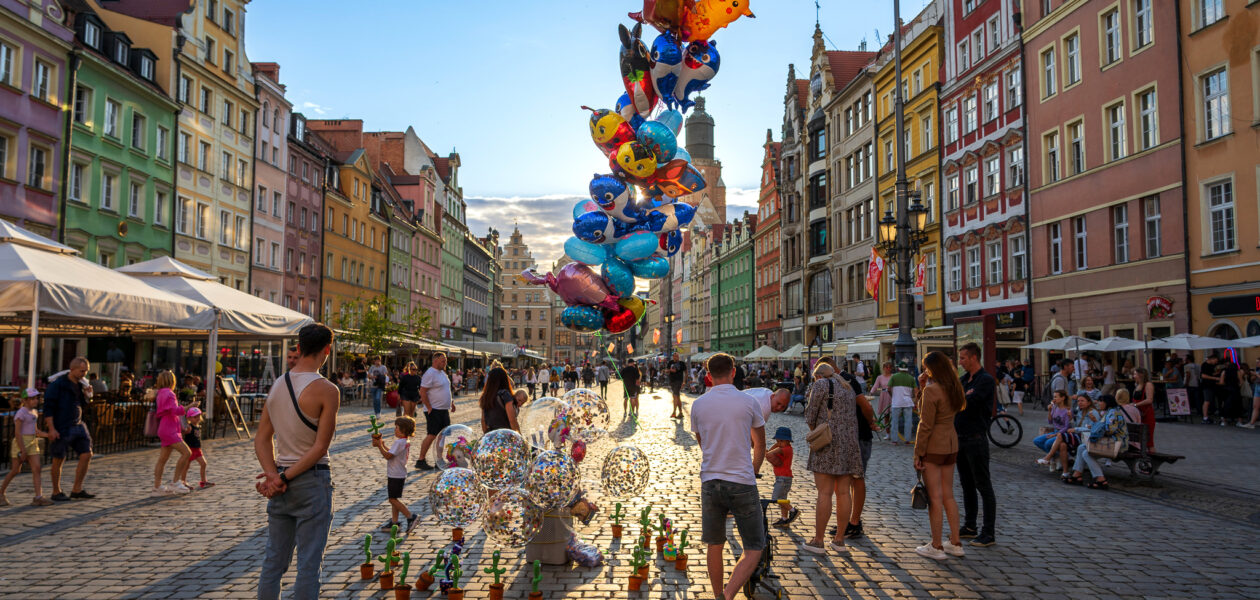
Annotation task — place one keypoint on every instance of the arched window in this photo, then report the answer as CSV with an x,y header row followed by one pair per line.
x,y
275,123
266,109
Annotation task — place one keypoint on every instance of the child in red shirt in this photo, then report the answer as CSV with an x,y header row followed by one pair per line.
x,y
780,457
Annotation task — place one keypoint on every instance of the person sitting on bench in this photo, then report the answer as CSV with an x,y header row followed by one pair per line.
x,y
1113,427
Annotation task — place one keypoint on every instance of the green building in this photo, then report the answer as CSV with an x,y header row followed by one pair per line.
x,y
733,323
402,233
119,195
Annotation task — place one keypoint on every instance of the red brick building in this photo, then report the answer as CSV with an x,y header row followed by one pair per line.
x,y
767,311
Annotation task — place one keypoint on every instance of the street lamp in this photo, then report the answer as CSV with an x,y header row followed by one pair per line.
x,y
669,334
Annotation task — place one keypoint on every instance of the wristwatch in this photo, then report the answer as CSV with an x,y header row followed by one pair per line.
x,y
284,479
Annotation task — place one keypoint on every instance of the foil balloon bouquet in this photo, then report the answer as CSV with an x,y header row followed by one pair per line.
x,y
637,211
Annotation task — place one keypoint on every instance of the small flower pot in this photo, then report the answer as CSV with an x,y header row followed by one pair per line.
x,y
457,534
643,572
680,564
367,570
496,591
660,544
402,592
636,582
387,580
424,581
376,437
455,594
616,529
535,596
646,544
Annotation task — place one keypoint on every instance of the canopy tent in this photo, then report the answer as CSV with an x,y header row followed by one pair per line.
x,y
1190,341
43,277
701,356
1063,344
793,353
1113,344
868,349
234,310
763,353
1247,342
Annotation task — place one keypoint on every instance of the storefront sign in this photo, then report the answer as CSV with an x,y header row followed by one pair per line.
x,y
1222,306
1008,319
1159,307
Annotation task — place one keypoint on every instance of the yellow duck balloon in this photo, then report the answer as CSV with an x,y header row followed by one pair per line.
x,y
708,16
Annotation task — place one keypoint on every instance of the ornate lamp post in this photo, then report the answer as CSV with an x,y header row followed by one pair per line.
x,y
900,240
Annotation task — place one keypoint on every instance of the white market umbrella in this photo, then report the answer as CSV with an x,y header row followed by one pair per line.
x,y
792,353
1063,344
1191,342
762,353
1114,344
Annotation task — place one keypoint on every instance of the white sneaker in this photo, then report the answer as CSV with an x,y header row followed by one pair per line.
x,y
179,488
931,552
953,550
159,491
1042,461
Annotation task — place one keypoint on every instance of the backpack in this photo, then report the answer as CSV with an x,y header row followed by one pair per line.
x,y
1049,391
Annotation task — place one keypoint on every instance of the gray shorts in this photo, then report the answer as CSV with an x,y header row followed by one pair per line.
x,y
865,447
782,485
719,498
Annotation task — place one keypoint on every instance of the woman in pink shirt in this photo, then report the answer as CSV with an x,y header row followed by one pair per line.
x,y
881,387
170,433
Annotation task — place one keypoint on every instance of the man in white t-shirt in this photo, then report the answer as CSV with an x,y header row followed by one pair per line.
x,y
721,420
435,394
768,401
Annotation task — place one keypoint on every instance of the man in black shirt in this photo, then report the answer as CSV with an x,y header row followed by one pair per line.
x,y
740,374
972,425
1209,385
64,402
677,375
630,376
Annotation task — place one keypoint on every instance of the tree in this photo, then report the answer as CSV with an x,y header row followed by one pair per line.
x,y
370,322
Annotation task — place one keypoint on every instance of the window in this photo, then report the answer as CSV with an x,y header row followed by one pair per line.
x,y
228,21
918,83
929,275
1150,210
1072,58
1148,136
206,98
1111,37
243,124
926,125
242,167
1076,135
995,34
259,246
225,227
77,172
929,200
163,143
964,57
1056,248
1052,157
228,109
1221,216
818,191
159,208
183,215
113,112
1216,103
185,88
971,193
995,255
992,175
1019,257
6,63
1048,85
819,291
951,192
1120,222
37,168
819,148
1142,29
953,262
105,259
818,238
82,105
1116,131
225,166
973,268
242,234
1080,243
969,114
1210,11
1015,167
146,67
138,130
203,157
888,155
1014,89
275,255
277,200
134,199
203,220
951,125
210,53
41,85
906,140
977,46
990,102
109,191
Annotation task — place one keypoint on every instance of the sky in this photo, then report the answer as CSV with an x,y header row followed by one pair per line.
x,y
502,82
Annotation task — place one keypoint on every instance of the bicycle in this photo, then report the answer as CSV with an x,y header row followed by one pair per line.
x,y
1005,431
763,572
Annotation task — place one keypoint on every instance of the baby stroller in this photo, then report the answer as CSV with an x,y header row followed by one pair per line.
x,y
762,574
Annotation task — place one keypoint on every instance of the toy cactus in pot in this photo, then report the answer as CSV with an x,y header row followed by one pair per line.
x,y
645,520
534,593
394,537
616,522
389,559
454,592
375,429
427,578
639,567
402,590
662,532
366,569
496,588
680,564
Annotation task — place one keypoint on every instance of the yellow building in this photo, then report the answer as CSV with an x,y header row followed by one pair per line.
x,y
215,87
921,58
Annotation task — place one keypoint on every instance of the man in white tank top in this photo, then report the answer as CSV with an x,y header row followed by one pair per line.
x,y
301,414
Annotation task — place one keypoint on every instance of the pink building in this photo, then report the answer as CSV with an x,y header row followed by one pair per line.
x,y
273,211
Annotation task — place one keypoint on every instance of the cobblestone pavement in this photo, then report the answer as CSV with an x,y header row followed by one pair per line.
x,y
1054,541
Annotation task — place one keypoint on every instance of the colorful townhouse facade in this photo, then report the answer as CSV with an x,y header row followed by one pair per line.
x,y
454,228
734,326
309,163
525,318
273,209
791,198
767,314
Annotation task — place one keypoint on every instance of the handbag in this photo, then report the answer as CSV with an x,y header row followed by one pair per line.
x,y
151,424
919,495
1106,449
820,436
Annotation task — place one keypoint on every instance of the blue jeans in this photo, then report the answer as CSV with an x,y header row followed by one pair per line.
x,y
301,516
906,416
1083,460
376,400
1045,441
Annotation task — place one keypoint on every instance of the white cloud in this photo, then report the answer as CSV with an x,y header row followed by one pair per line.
x,y
315,108
545,221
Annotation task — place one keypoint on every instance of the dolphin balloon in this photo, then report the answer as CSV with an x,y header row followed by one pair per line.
x,y
670,217
597,227
699,66
667,59
615,197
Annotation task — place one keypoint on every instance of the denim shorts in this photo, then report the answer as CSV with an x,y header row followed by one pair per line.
x,y
865,447
75,438
782,485
719,498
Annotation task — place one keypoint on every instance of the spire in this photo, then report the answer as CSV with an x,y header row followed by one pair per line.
x,y
818,40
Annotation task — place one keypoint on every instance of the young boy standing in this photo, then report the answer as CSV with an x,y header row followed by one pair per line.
x,y
396,471
780,457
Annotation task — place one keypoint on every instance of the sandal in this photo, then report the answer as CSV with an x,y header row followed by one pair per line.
x,y
1098,485
1073,480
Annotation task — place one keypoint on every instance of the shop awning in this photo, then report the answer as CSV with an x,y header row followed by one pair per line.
x,y
701,356
868,349
792,353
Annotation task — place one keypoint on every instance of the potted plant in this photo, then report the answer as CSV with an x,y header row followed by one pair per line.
x,y
638,567
680,564
427,578
645,520
365,569
616,522
454,592
496,588
394,537
402,591
389,559
662,532
375,430
534,593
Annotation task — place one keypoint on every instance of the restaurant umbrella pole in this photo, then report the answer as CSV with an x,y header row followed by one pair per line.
x,y
212,354
30,369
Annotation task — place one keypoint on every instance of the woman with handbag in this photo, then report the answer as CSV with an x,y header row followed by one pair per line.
x,y
1107,438
834,454
936,450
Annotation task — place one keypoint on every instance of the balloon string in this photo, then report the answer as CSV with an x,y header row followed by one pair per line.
x,y
625,394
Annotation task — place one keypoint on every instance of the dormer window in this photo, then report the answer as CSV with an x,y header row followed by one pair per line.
x,y
299,128
92,34
122,51
146,68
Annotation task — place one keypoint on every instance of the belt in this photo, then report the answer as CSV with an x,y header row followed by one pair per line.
x,y
316,467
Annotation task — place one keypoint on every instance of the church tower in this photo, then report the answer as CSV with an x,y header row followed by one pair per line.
x,y
710,202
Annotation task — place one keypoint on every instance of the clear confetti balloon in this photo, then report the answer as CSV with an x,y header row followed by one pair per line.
x,y
552,480
512,519
536,417
588,412
455,446
456,497
501,459
625,473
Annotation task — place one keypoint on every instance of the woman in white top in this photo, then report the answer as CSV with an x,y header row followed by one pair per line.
x,y
530,380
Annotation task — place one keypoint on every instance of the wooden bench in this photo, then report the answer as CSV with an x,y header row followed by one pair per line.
x,y
1140,460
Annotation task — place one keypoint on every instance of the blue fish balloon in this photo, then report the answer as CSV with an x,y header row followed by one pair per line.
x,y
659,139
671,243
599,228
670,217
618,276
626,109
614,196
667,58
585,252
699,66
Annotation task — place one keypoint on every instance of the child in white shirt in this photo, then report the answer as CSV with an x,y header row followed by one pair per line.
x,y
396,471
